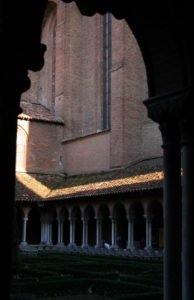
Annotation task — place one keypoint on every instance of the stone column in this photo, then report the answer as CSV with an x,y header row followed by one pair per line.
x,y
23,243
165,110
148,245
130,242
46,229
172,211
84,233
14,81
60,233
43,236
8,129
26,211
50,232
98,232
72,233
113,232
187,139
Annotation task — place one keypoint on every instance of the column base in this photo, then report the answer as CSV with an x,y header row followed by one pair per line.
x,y
149,250
46,245
60,245
72,245
23,244
84,246
99,246
131,248
114,247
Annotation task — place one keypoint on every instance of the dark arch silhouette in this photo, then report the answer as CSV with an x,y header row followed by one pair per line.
x,y
166,38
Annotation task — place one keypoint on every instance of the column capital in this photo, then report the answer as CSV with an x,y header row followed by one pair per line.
x,y
170,134
187,131
85,219
60,219
113,218
46,218
148,217
130,218
98,218
168,106
59,209
26,210
72,219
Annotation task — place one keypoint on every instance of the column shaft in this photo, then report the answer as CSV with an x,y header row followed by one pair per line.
x,y
187,216
72,233
98,232
148,232
43,238
24,231
113,232
50,233
85,233
8,129
172,214
60,232
130,242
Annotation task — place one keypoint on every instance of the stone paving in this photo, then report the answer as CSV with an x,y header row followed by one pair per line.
x,y
137,253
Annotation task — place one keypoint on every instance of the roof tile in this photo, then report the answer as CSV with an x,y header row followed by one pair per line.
x,y
147,175
37,112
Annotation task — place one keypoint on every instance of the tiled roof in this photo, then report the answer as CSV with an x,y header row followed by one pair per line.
x,y
36,111
147,175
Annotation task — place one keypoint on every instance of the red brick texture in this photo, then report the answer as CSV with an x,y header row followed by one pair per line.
x,y
71,86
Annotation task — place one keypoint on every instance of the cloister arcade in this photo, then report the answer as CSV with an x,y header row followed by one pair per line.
x,y
133,225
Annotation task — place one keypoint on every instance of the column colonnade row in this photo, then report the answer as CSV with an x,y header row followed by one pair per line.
x,y
122,228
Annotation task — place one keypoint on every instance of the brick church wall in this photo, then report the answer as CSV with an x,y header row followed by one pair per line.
x,y
41,152
71,86
128,139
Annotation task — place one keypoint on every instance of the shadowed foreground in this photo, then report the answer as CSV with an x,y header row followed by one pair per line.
x,y
60,276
